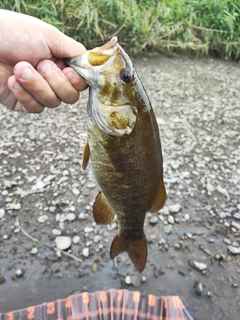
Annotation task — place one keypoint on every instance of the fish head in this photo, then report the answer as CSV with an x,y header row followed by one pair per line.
x,y
110,74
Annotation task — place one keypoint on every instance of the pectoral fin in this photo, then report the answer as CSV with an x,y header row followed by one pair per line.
x,y
85,157
137,251
102,212
160,199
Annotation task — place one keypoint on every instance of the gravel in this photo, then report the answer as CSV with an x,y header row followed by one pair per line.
x,y
197,108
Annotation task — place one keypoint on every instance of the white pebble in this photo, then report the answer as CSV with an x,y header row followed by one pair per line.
x,y
175,208
34,250
63,242
85,252
75,191
70,217
2,213
88,229
97,238
171,220
5,237
43,218
56,232
76,239
128,280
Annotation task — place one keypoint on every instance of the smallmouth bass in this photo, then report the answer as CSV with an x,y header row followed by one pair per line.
x,y
124,147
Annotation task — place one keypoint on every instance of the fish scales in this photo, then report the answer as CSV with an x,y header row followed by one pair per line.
x,y
125,148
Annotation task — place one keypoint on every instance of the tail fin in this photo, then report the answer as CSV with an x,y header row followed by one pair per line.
x,y
137,250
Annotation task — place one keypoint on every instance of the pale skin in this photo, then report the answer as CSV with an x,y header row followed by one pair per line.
x,y
33,74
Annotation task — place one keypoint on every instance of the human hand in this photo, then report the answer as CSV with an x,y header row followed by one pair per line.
x,y
33,74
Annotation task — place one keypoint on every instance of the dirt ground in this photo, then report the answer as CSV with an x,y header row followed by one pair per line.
x,y
193,243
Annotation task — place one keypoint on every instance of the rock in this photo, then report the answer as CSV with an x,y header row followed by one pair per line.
x,y
94,267
199,266
70,217
167,229
56,232
76,239
13,206
2,280
153,220
88,229
235,225
63,242
128,280
222,215
227,241
165,210
34,251
43,218
175,208
233,250
198,288
2,213
75,191
18,274
97,238
85,252
237,215
171,220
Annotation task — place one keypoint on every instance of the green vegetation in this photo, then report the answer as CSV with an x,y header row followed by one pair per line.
x,y
202,26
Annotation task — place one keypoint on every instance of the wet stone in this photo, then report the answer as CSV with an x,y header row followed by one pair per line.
x,y
85,252
233,250
153,220
76,239
34,251
171,220
199,266
198,288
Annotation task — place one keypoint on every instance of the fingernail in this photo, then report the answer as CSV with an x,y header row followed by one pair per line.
x,y
71,76
26,74
46,67
17,86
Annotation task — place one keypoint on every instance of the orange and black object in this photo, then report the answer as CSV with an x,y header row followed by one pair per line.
x,y
106,305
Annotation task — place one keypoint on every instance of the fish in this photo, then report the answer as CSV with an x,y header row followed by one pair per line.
x,y
123,145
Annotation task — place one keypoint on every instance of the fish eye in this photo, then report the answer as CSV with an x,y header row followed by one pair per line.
x,y
125,75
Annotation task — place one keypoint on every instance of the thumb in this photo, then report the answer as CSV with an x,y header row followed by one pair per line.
x,y
62,46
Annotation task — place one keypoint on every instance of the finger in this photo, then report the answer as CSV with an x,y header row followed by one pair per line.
x,y
58,81
76,81
36,85
25,101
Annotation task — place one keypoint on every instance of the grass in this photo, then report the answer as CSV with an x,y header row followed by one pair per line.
x,y
201,26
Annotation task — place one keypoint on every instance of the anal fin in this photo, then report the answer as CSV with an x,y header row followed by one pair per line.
x,y
137,250
85,157
102,212
160,199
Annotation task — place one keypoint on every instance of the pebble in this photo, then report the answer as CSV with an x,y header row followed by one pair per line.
x,y
153,220
222,215
128,280
88,229
34,251
18,274
167,229
199,266
237,215
2,280
2,213
43,218
76,239
235,225
198,288
165,210
233,250
82,216
13,206
85,252
175,208
56,232
171,220
227,241
70,216
75,191
63,242
97,238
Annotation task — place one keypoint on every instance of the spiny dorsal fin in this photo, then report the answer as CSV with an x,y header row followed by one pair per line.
x,y
85,157
137,251
102,212
160,199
